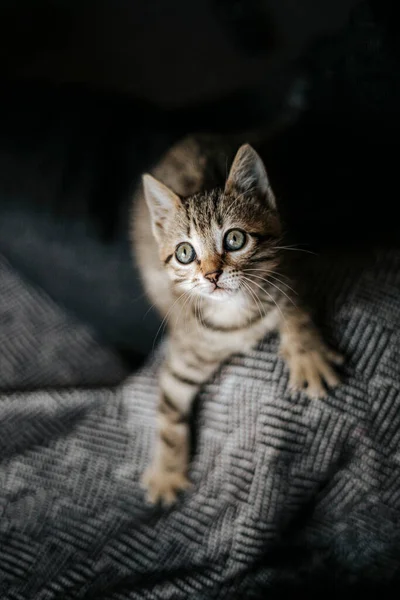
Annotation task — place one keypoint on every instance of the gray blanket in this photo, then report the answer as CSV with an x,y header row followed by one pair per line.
x,y
287,491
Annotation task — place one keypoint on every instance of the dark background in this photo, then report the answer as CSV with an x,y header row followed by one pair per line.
x,y
93,93
169,53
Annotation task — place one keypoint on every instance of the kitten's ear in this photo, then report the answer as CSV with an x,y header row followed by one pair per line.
x,y
249,177
162,203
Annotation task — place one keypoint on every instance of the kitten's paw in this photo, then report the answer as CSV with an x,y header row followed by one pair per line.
x,y
332,356
163,486
311,369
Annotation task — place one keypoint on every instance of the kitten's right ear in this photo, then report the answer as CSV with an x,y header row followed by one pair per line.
x,y
162,203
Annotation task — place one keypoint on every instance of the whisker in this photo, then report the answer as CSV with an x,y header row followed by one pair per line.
x,y
136,298
295,249
275,286
148,310
257,301
273,275
184,304
268,294
268,271
253,298
167,316
283,283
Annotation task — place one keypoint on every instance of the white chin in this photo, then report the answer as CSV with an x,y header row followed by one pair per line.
x,y
220,294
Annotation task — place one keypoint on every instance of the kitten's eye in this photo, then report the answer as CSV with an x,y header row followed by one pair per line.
x,y
185,253
234,240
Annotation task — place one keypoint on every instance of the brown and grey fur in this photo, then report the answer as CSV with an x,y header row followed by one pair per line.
x,y
207,325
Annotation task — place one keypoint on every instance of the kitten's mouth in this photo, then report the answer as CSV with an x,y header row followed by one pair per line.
x,y
216,292
220,291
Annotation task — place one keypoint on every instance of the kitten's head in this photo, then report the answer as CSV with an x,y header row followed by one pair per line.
x,y
220,243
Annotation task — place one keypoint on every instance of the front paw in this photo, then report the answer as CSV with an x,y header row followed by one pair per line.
x,y
310,369
163,485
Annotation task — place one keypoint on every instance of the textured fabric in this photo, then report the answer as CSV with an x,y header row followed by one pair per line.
x,y
42,346
286,491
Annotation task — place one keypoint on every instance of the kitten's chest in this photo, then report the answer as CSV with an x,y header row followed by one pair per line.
x,y
236,314
236,327
226,315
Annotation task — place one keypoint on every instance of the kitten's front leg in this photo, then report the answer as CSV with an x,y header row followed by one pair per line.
x,y
309,359
183,372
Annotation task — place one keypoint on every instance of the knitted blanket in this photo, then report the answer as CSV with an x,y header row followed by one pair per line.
x,y
288,493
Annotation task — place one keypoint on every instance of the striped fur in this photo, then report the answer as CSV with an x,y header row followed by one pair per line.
x,y
223,301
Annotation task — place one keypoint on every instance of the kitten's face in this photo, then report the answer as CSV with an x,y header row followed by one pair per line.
x,y
220,244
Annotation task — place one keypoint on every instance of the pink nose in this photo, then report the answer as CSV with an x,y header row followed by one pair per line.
x,y
213,276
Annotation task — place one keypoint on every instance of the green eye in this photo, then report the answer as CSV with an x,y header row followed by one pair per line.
x,y
234,240
185,253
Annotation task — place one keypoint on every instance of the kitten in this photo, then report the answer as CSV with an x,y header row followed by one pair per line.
x,y
213,270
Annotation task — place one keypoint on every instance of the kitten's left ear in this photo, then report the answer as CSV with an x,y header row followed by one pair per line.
x,y
249,177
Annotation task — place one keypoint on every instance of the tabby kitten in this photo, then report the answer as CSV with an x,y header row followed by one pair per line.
x,y
212,269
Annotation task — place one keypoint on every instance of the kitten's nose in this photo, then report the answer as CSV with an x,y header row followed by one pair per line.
x,y
213,276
